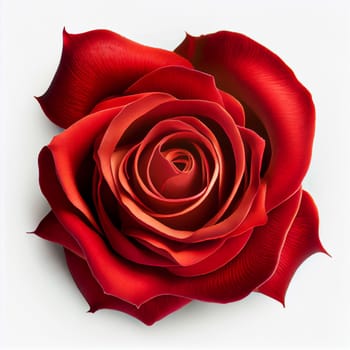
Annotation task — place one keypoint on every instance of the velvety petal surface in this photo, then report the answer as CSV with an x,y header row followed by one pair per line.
x,y
263,82
301,242
95,65
149,312
181,82
228,250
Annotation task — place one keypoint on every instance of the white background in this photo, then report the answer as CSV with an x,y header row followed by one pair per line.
x,y
40,304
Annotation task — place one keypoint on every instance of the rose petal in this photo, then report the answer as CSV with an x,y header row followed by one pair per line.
x,y
70,153
120,242
181,82
149,312
50,229
52,188
254,149
183,254
234,107
120,125
195,259
112,102
229,249
256,76
302,241
95,65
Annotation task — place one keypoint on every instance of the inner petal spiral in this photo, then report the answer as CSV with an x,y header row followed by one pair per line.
x,y
181,159
175,172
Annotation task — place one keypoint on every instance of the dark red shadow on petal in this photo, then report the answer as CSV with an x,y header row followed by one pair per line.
x,y
109,214
73,158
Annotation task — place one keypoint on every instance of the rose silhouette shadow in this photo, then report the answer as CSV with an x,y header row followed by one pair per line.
x,y
56,253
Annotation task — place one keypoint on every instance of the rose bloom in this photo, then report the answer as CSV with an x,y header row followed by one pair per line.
x,y
178,175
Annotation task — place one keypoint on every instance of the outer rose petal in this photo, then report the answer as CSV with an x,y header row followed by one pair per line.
x,y
50,229
149,312
302,241
259,79
70,151
95,65
181,82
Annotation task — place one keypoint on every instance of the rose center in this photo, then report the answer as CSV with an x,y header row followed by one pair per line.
x,y
181,159
174,171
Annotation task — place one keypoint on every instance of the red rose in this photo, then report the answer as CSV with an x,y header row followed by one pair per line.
x,y
178,175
